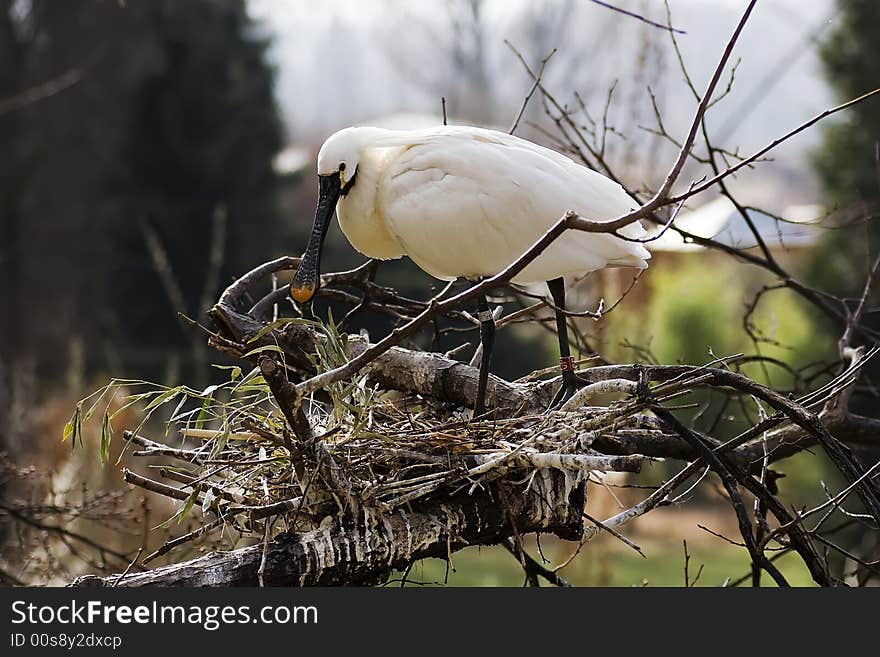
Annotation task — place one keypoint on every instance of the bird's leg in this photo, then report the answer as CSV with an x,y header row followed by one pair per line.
x,y
570,382
487,339
308,310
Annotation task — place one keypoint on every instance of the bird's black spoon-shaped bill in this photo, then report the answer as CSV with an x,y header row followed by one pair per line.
x,y
308,277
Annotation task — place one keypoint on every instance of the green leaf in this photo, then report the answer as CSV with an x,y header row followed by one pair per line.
x,y
97,401
264,348
187,505
74,426
203,414
123,408
254,373
106,435
257,387
220,441
207,392
142,395
174,415
71,423
168,395
180,416
282,321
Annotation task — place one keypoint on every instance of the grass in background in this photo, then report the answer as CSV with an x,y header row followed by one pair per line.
x,y
606,565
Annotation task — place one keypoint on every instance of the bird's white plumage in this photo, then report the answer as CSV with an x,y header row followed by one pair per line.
x,y
464,201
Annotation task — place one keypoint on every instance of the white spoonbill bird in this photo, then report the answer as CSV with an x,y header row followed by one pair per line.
x,y
467,202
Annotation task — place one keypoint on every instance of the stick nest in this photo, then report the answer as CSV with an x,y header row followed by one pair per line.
x,y
229,451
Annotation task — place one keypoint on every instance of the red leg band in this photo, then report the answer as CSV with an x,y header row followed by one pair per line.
x,y
566,364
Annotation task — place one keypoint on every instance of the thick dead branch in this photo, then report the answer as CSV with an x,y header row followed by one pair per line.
x,y
368,551
414,372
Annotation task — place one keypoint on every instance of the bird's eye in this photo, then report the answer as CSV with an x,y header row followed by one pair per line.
x,y
342,166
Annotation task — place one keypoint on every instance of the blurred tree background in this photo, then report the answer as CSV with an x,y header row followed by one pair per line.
x,y
848,163
133,190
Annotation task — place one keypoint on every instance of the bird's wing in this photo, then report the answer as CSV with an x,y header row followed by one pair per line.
x,y
468,202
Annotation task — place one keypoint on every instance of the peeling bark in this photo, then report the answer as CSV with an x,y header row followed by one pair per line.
x,y
366,552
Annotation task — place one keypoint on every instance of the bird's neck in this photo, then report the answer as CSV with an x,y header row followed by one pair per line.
x,y
358,211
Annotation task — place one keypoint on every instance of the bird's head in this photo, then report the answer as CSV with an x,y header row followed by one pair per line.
x,y
337,173
339,157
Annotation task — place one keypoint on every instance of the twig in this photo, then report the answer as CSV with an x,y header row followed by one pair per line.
x,y
535,85
632,14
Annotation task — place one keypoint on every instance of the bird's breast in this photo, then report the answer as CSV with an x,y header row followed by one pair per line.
x,y
363,224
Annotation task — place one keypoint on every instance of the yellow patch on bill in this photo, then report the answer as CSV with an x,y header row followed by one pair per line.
x,y
302,293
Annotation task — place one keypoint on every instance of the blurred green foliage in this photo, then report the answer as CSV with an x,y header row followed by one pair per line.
x,y
696,310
